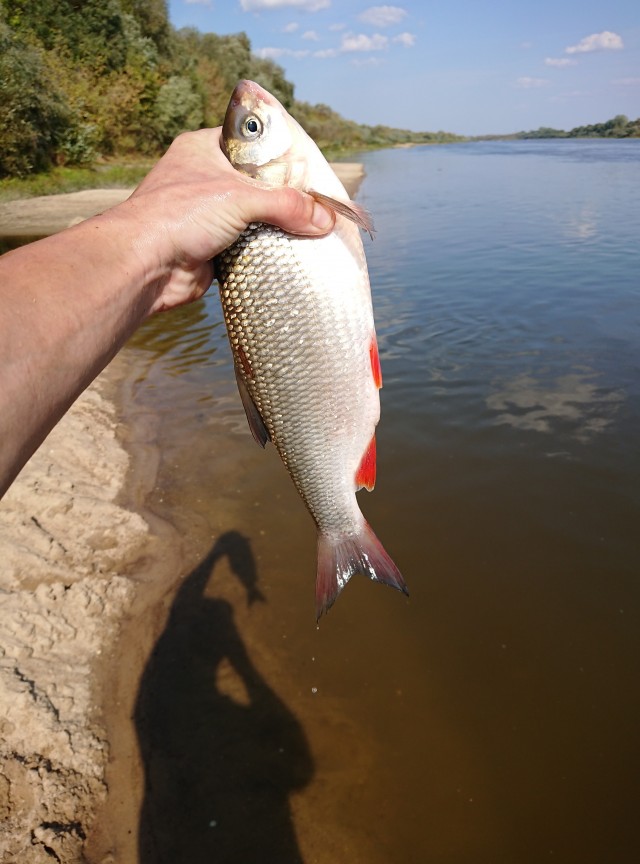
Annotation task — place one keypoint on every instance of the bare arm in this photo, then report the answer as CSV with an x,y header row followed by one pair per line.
x,y
69,303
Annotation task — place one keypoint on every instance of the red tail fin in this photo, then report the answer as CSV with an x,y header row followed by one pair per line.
x,y
340,557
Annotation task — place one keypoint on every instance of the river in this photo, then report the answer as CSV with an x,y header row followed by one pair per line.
x,y
493,715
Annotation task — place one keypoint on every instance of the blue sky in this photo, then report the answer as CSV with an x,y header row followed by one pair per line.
x,y
465,66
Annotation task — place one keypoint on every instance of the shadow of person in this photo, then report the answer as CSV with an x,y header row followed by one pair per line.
x,y
219,768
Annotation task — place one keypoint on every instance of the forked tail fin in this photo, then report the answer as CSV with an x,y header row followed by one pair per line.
x,y
340,557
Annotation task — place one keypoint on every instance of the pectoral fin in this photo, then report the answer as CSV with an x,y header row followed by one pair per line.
x,y
256,423
349,209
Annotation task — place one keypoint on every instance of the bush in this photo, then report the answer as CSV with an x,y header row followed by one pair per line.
x,y
35,115
178,108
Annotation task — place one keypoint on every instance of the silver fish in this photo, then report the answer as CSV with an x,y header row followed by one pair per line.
x,y
300,323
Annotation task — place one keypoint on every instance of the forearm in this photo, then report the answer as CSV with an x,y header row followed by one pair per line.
x,y
68,303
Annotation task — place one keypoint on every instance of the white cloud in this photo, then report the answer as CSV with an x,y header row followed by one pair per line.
x,y
351,43
530,83
364,43
275,53
576,401
627,82
559,62
270,53
336,27
406,39
260,5
366,61
383,16
291,27
605,41
571,96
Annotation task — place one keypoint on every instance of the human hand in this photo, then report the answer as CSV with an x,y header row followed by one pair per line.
x,y
193,204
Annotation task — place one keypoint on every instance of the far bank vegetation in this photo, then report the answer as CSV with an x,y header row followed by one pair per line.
x,y
87,80
98,82
618,127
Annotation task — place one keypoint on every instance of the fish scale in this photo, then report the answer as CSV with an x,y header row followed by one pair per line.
x,y
291,341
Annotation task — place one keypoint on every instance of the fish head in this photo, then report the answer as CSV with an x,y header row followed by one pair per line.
x,y
259,137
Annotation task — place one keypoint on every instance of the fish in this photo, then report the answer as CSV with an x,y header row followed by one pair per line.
x,y
299,318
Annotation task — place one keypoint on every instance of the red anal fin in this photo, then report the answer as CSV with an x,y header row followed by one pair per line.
x,y
375,362
366,473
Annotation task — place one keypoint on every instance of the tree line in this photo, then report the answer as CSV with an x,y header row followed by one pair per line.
x,y
618,127
83,79
86,78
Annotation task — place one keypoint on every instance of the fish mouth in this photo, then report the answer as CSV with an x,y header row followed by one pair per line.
x,y
248,94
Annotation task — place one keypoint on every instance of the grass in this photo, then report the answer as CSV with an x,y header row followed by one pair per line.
x,y
65,179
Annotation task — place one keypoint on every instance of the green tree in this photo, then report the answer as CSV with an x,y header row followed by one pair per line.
x,y
35,116
90,30
153,19
271,76
179,107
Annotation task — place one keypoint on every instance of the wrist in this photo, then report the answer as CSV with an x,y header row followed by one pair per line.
x,y
141,249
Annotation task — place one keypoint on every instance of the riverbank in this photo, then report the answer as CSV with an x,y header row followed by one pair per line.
x,y
38,217
82,559
68,545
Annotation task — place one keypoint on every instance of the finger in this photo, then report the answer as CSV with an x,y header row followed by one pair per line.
x,y
293,211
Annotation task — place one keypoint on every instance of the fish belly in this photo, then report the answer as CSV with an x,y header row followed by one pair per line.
x,y
300,324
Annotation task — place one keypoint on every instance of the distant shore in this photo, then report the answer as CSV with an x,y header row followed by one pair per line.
x,y
48,214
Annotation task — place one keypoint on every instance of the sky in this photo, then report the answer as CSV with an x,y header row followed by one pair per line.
x,y
472,67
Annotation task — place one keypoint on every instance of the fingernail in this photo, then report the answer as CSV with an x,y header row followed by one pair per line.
x,y
321,217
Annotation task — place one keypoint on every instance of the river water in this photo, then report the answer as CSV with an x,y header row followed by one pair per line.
x,y
495,714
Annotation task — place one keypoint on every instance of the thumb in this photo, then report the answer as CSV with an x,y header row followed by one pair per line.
x,y
294,211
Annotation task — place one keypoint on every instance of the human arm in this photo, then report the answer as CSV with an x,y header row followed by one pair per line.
x,y
69,302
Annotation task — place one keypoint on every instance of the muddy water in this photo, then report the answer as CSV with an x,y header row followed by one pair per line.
x,y
494,715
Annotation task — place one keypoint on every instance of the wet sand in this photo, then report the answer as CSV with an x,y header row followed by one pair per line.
x,y
88,584
69,542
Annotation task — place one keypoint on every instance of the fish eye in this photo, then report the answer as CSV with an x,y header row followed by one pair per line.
x,y
251,127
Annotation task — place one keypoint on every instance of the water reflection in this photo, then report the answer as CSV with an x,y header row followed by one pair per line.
x,y
8,243
221,751
574,400
184,340
583,225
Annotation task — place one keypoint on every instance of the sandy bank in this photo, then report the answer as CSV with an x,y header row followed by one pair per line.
x,y
38,217
66,543
75,543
